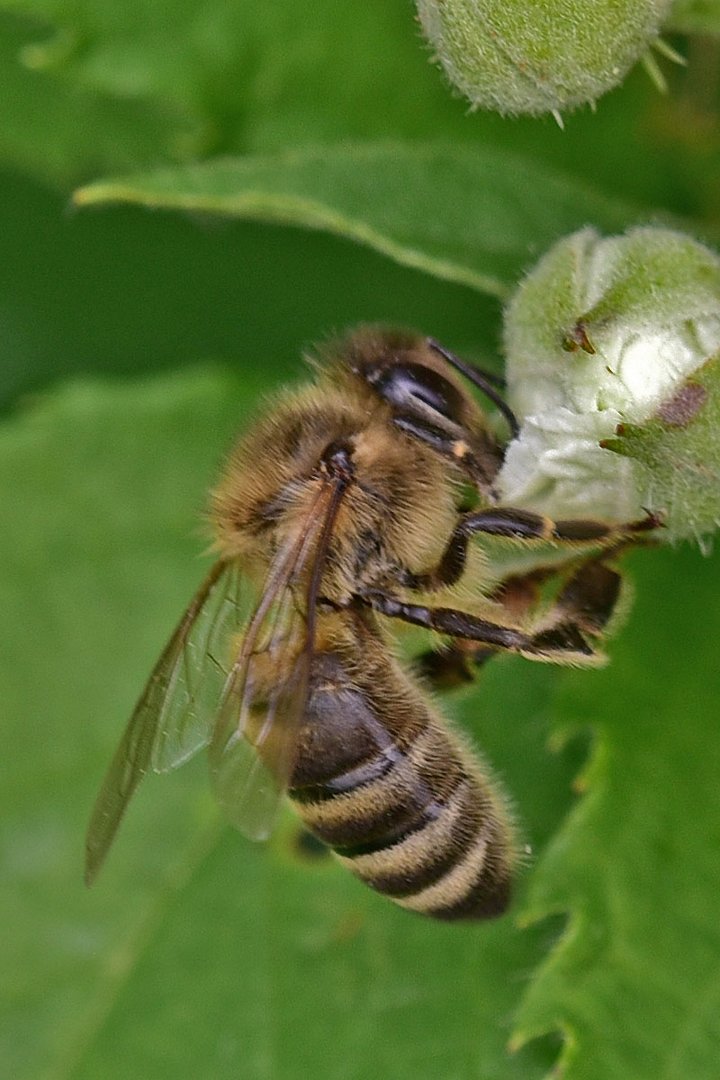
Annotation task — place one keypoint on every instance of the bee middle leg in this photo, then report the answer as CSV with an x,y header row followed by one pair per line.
x,y
562,643
569,632
586,601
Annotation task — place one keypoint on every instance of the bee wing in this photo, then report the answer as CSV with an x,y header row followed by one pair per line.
x,y
173,718
253,747
252,750
189,687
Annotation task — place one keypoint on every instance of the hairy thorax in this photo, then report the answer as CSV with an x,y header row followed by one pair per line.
x,y
397,512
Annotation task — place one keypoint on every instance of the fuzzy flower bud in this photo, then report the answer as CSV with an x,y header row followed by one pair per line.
x,y
613,367
542,56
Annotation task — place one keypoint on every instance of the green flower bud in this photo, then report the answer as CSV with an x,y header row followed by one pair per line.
x,y
540,56
613,366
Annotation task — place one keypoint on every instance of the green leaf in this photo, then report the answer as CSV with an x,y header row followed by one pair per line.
x,y
634,982
123,291
250,75
197,953
257,77
467,215
54,128
695,17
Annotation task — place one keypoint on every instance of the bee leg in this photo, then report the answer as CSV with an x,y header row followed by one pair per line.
x,y
453,664
563,642
526,526
588,598
458,662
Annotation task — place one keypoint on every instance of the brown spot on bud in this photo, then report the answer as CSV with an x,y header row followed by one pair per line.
x,y
614,444
577,338
683,406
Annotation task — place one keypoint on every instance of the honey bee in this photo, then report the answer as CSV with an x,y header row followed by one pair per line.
x,y
342,510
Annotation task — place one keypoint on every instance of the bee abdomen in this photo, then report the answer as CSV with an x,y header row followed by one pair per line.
x,y
476,885
451,866
368,806
418,825
403,865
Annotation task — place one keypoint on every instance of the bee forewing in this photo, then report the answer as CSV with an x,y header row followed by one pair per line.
x,y
174,716
253,751
254,743
193,687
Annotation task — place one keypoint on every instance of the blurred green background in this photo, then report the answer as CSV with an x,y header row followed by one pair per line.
x,y
135,342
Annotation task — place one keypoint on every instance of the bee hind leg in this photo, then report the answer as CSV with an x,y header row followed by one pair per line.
x,y
453,664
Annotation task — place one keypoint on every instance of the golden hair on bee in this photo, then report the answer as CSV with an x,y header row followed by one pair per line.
x,y
400,506
341,514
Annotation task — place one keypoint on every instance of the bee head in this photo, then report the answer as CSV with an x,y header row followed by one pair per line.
x,y
416,383
414,378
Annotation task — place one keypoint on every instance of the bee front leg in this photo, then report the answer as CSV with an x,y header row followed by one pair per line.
x,y
524,526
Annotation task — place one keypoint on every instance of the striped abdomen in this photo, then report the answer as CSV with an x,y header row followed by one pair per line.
x,y
396,795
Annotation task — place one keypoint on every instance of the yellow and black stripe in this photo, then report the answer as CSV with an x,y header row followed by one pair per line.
x,y
401,801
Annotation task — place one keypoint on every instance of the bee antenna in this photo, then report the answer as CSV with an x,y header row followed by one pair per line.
x,y
484,380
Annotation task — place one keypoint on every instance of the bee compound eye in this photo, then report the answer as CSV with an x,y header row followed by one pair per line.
x,y
413,389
